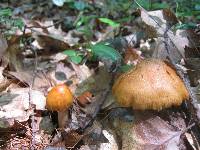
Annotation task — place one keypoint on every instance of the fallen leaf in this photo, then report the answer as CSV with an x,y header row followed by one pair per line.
x,y
148,130
71,138
14,104
85,98
132,56
3,46
51,43
162,21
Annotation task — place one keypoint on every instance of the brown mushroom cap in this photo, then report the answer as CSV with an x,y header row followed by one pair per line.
x,y
59,98
152,84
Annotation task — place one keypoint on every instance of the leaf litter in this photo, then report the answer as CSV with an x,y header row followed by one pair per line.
x,y
96,122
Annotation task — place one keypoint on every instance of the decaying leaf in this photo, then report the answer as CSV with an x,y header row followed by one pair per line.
x,y
132,56
148,130
17,130
162,21
192,61
14,56
41,81
95,121
15,105
85,98
98,84
82,71
4,82
71,138
51,43
62,73
3,46
97,138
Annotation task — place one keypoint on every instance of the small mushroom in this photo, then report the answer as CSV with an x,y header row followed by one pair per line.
x,y
153,84
60,99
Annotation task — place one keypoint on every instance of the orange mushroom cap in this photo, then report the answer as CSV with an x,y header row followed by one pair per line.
x,y
59,98
152,84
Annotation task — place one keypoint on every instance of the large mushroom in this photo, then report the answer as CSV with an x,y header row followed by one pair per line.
x,y
153,84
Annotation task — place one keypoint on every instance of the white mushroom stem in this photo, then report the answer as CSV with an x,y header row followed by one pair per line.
x,y
63,117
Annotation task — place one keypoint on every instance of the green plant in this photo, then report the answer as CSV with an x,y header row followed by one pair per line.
x,y
109,22
74,56
103,51
9,24
99,51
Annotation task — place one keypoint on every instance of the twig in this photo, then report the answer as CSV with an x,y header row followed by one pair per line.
x,y
45,27
33,107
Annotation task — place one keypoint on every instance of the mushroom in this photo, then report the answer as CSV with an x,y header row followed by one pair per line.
x,y
153,84
59,99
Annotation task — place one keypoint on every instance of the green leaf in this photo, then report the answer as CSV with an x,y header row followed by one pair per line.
x,y
84,20
185,26
19,23
80,5
198,17
109,22
184,14
76,59
70,52
74,56
102,51
159,5
144,3
6,12
87,31
197,7
125,68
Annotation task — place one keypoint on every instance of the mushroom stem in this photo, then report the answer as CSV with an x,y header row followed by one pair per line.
x,y
63,117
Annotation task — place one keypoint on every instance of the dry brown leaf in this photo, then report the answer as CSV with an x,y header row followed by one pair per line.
x,y
51,43
62,73
148,130
15,103
71,138
162,21
132,56
3,46
41,81
85,98
14,56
